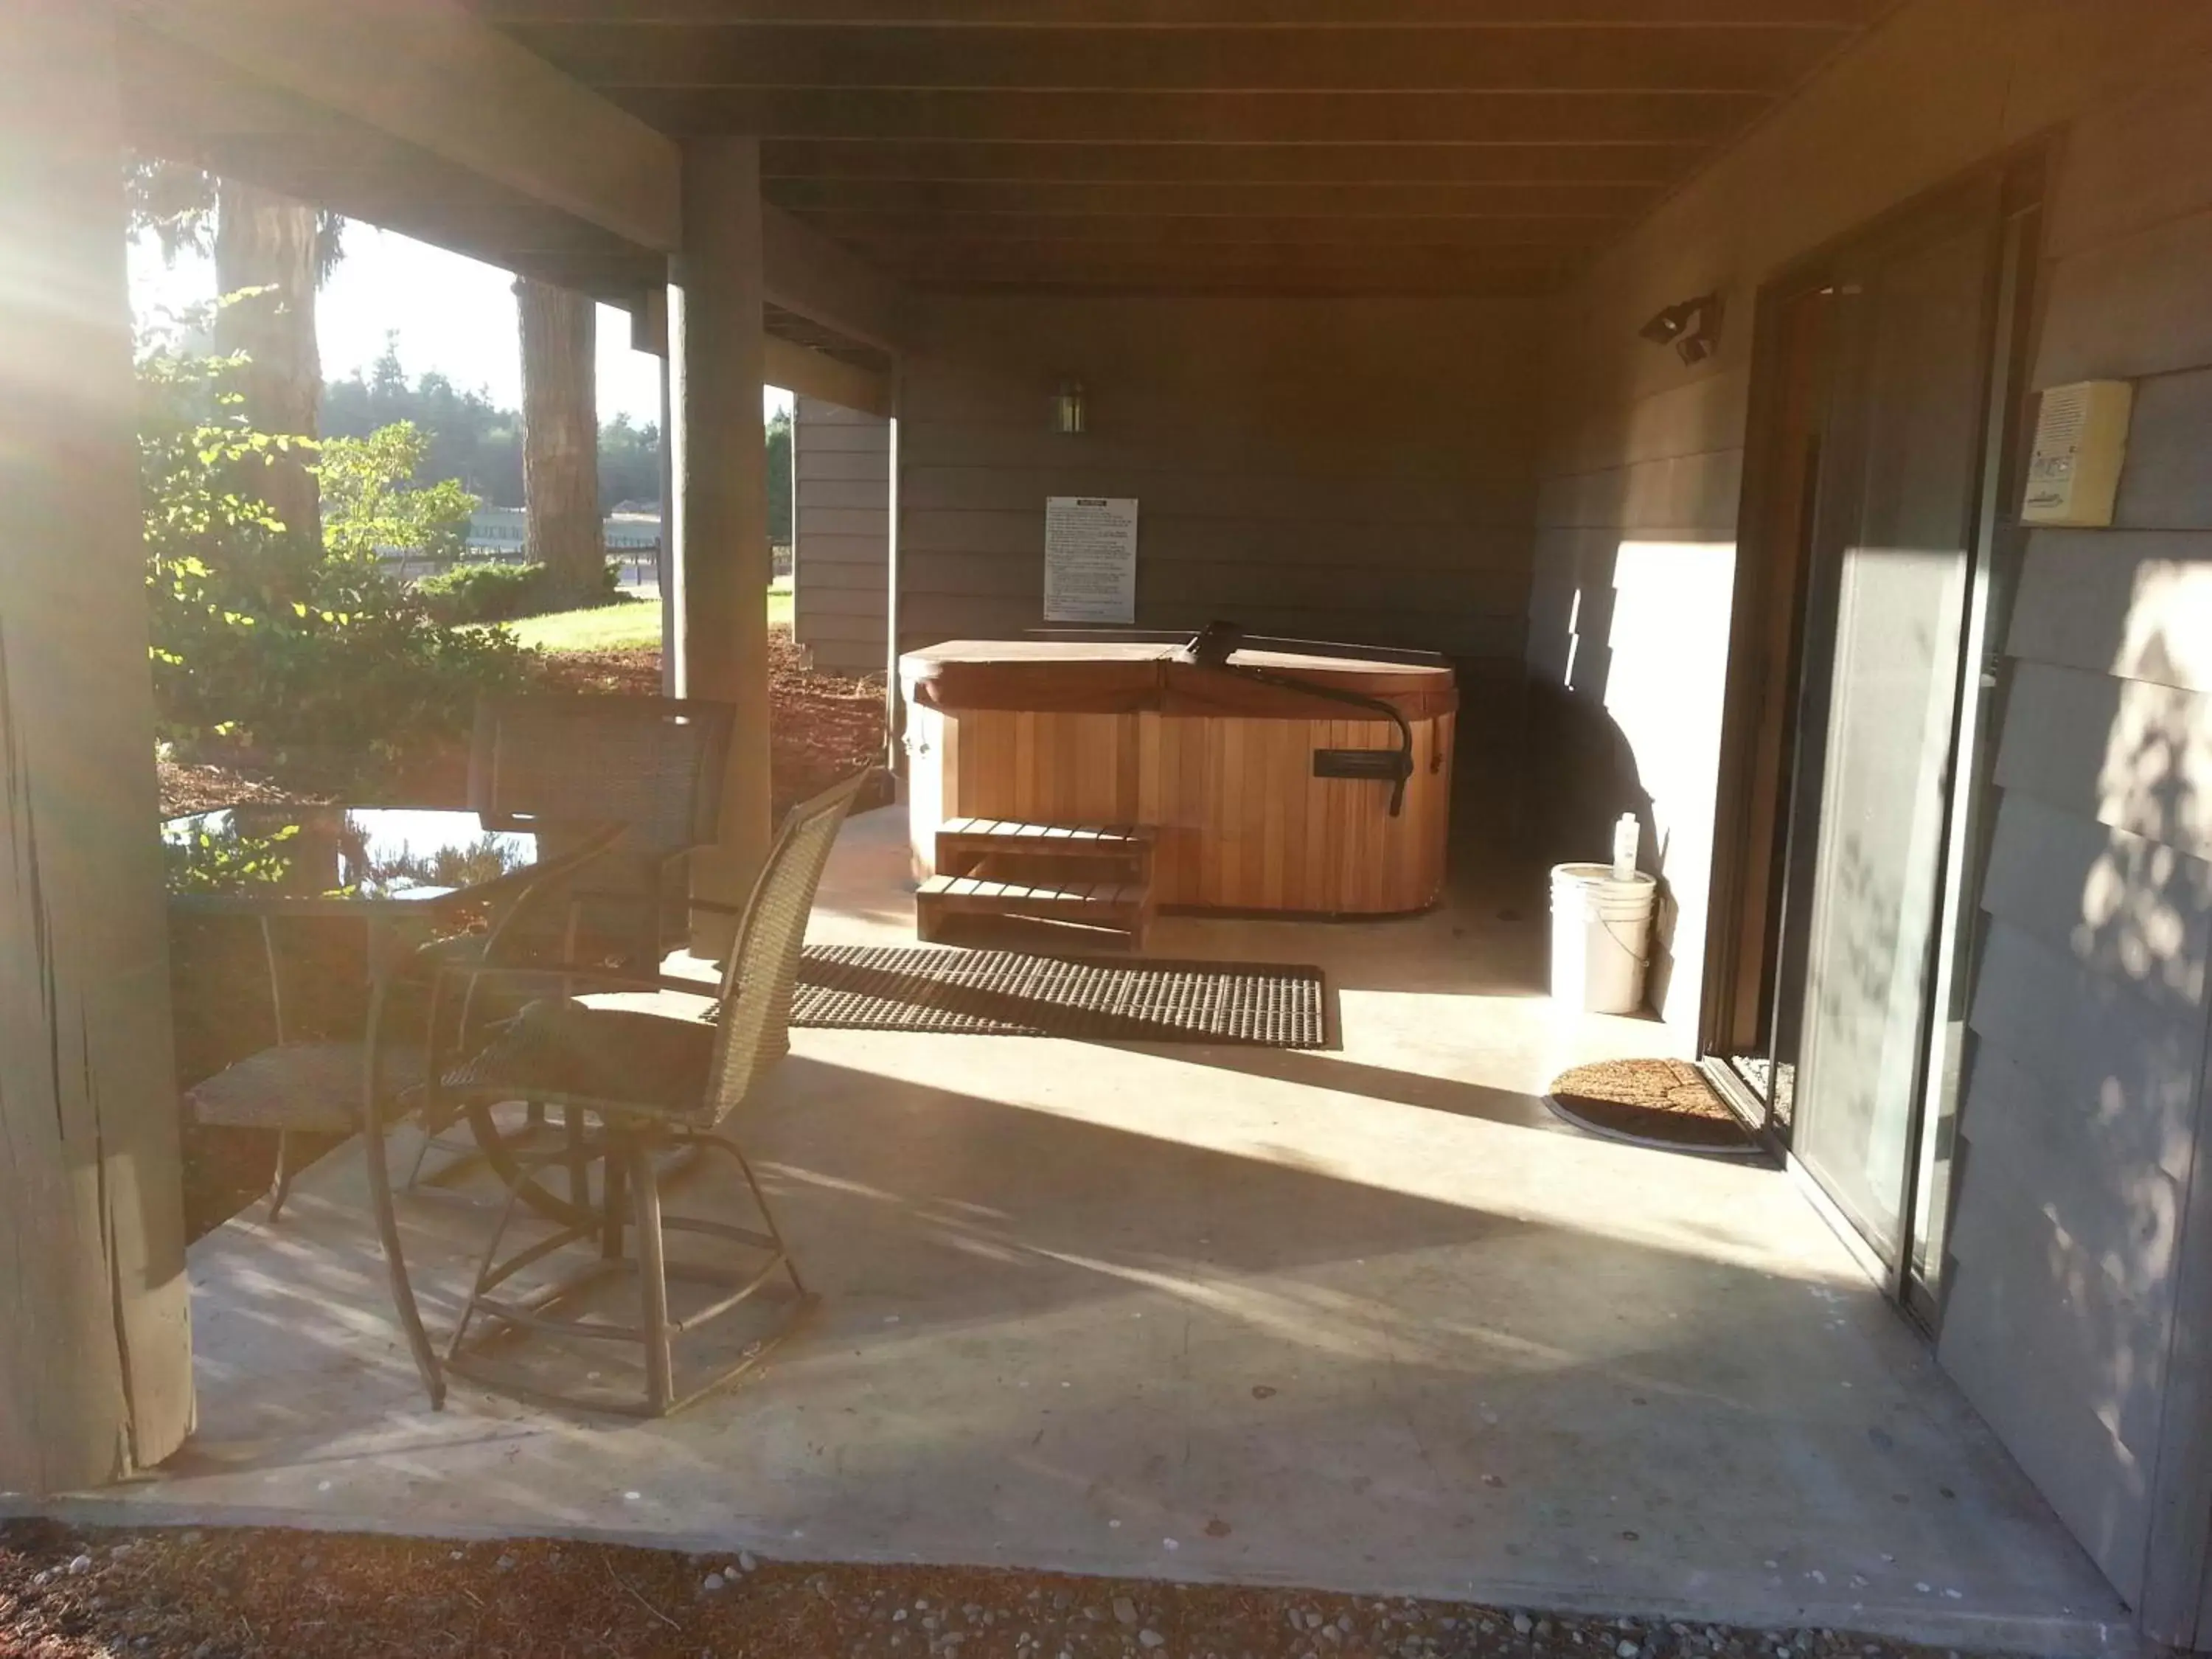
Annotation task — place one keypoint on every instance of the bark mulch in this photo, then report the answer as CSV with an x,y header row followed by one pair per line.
x,y
821,728
1663,1100
202,786
264,1593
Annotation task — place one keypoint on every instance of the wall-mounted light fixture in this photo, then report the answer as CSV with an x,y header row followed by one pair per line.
x,y
1068,415
1692,328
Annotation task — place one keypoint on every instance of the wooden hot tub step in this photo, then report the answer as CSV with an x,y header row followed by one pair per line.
x,y
1097,875
1124,906
961,840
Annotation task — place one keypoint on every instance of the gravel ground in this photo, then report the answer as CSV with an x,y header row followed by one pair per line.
x,y
73,1594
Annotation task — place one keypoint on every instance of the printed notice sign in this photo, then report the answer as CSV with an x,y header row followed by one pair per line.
x,y
1090,559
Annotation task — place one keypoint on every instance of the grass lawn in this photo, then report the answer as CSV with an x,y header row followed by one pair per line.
x,y
617,627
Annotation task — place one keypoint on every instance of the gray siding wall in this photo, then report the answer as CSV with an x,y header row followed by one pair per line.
x,y
841,535
1357,471
1643,458
2078,1298
2077,1269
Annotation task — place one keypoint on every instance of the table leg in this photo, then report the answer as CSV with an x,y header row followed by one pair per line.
x,y
379,1179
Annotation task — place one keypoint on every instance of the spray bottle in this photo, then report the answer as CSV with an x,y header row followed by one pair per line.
x,y
1626,834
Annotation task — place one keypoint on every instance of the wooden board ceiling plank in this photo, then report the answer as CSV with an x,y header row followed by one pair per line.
x,y
1292,117
1653,164
1427,269
1270,287
1190,59
1825,16
1214,200
951,261
1183,230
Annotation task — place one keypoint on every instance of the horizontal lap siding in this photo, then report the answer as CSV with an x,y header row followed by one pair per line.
x,y
1668,496
2074,1311
841,571
2072,1270
1359,470
1640,446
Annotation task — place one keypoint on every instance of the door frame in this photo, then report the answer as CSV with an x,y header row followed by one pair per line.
x,y
1753,857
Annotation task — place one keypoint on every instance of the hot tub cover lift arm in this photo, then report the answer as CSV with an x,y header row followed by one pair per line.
x,y
1214,644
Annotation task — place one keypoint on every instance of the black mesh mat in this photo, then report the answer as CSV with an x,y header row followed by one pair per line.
x,y
1093,999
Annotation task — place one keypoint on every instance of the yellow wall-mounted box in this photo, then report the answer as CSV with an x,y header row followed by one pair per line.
x,y
2081,440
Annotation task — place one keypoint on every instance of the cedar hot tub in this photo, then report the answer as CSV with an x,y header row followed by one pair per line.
x,y
1269,782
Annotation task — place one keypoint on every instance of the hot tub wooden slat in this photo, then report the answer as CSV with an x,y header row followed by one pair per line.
x,y
1240,821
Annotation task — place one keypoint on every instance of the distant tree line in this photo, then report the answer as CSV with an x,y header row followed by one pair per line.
x,y
470,438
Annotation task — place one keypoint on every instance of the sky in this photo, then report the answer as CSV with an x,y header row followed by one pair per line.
x,y
451,313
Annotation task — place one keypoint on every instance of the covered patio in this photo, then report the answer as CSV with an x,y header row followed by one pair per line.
x,y
1441,327
1366,1319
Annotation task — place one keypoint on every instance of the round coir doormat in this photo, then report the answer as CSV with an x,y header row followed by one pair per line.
x,y
1664,1103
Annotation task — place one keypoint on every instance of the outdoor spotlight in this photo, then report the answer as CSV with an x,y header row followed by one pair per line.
x,y
1692,327
1067,412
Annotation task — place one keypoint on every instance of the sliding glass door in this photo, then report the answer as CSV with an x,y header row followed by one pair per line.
x,y
1871,923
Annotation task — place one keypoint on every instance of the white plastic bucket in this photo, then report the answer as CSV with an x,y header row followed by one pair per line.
x,y
1601,938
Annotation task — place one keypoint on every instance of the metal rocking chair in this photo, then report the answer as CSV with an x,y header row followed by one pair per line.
x,y
646,1082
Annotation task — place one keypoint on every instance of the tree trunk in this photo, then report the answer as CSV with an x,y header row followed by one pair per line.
x,y
266,241
95,1338
561,438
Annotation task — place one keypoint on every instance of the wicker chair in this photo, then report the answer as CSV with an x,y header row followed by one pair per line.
x,y
653,765
653,1082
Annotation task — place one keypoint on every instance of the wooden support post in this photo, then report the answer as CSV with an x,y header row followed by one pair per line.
x,y
95,1342
720,513
663,563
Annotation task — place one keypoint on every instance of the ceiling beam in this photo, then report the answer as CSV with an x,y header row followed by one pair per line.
x,y
1198,60
429,72
804,272
1656,164
816,374
1531,117
1345,201
170,90
1827,15
187,107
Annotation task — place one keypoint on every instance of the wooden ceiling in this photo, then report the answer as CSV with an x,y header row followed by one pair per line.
x,y
1205,146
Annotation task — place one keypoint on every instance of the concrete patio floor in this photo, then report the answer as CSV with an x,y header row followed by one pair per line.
x,y
1365,1319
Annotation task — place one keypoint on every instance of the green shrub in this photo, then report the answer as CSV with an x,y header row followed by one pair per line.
x,y
482,591
282,640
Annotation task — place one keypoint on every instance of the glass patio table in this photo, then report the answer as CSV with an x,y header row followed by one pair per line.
x,y
408,874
